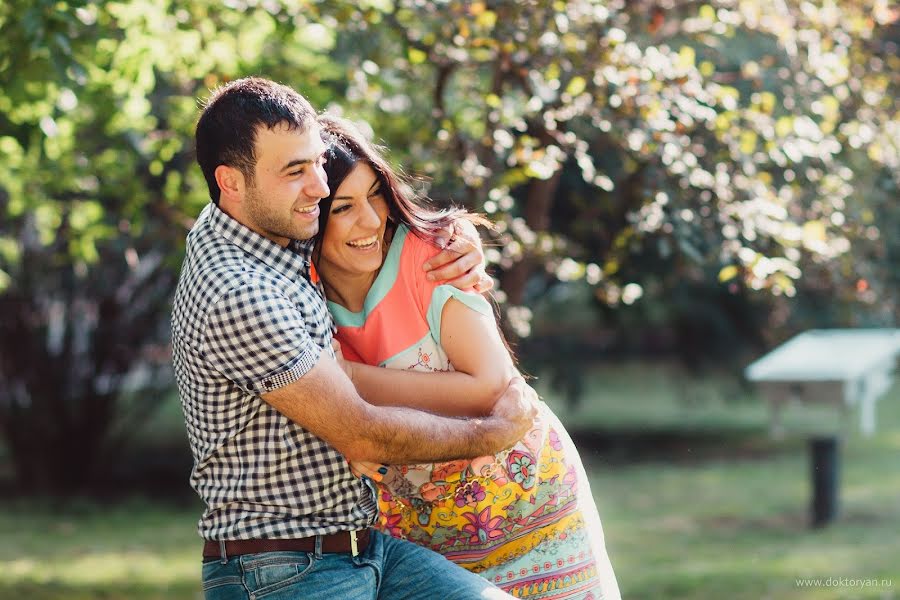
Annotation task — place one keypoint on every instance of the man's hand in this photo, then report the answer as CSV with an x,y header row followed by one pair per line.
x,y
518,407
461,262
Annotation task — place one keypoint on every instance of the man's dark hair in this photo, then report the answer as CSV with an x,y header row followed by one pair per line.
x,y
226,130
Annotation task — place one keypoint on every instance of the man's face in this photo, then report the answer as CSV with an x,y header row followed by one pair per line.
x,y
282,203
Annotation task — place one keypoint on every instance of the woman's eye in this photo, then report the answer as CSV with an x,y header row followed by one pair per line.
x,y
340,209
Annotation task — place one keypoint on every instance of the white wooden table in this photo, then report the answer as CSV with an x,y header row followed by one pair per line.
x,y
842,367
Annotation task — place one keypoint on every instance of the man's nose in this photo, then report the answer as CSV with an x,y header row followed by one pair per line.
x,y
318,185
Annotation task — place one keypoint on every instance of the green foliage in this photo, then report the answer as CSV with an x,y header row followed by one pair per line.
x,y
750,139
750,146
97,107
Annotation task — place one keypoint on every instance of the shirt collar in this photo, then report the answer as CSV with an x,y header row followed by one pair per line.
x,y
293,259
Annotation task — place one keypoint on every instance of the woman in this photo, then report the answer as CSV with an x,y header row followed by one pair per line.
x,y
524,519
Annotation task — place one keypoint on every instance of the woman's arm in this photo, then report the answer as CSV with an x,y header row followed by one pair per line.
x,y
477,352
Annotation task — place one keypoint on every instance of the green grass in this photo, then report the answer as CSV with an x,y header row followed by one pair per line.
x,y
660,396
84,550
717,511
721,511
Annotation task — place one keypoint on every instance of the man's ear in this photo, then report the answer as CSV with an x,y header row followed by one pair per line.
x,y
231,182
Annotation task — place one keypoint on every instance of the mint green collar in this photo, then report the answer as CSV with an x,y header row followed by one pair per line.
x,y
380,287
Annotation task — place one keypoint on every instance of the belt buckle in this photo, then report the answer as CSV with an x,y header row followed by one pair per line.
x,y
354,548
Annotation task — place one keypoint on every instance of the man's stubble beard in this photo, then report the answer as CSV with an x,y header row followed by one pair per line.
x,y
275,225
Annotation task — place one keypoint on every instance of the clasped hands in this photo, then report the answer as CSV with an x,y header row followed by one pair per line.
x,y
517,407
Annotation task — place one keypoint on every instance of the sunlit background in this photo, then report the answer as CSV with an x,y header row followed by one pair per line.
x,y
679,187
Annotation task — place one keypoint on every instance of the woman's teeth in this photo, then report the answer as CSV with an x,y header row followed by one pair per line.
x,y
364,243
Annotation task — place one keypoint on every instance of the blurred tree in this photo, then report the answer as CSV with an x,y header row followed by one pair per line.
x,y
746,146
86,239
640,147
97,188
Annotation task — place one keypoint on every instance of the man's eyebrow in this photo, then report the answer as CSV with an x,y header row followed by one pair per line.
x,y
301,161
296,163
374,184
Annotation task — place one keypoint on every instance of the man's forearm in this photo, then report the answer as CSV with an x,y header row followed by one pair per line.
x,y
397,435
325,403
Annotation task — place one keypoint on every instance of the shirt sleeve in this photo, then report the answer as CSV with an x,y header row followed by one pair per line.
x,y
433,295
257,338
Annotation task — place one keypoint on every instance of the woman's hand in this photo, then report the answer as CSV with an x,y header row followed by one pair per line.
x,y
374,471
461,262
346,365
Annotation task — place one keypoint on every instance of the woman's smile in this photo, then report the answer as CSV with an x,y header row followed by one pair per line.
x,y
364,244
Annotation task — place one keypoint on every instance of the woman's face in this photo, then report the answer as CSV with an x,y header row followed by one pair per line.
x,y
354,236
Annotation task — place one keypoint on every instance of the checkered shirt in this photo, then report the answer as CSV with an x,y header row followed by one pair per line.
x,y
247,320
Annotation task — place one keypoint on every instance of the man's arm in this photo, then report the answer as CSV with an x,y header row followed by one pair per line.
x,y
461,262
324,402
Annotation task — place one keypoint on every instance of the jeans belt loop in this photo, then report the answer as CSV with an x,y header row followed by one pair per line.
x,y
354,547
318,549
223,553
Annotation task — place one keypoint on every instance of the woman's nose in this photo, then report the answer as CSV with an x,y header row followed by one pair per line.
x,y
370,216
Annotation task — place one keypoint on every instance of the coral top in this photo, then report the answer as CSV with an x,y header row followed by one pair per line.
x,y
400,323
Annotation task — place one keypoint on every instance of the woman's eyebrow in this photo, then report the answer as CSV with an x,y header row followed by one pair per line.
x,y
374,184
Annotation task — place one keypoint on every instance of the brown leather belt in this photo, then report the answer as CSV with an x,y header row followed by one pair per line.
x,y
350,542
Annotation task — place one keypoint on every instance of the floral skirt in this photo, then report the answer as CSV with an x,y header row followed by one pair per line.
x,y
523,519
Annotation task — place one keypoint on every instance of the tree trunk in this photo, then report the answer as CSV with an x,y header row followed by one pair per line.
x,y
538,205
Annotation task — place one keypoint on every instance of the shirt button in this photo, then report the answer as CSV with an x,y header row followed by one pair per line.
x,y
268,384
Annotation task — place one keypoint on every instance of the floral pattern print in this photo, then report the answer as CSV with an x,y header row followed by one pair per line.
x,y
482,526
425,362
522,468
515,518
469,495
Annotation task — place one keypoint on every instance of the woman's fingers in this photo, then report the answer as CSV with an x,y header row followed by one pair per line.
x,y
374,471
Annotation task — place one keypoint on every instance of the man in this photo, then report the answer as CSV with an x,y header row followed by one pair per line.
x,y
272,419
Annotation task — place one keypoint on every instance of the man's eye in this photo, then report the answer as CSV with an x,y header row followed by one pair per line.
x,y
295,173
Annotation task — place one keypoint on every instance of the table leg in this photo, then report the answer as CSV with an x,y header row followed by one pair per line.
x,y
824,463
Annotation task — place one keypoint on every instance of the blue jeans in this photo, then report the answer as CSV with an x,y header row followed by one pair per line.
x,y
388,569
